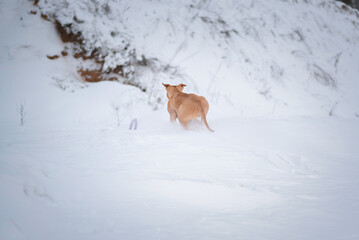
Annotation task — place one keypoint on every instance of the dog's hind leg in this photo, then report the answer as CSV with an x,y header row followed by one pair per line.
x,y
173,115
184,124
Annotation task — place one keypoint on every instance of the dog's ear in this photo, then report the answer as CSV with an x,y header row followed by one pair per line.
x,y
180,86
166,85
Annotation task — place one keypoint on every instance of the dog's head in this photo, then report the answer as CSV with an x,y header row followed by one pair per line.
x,y
171,89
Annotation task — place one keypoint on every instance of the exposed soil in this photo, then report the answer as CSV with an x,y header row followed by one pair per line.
x,y
64,53
45,17
91,75
53,57
68,35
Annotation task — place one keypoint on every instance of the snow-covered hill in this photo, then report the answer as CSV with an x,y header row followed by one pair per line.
x,y
263,57
281,79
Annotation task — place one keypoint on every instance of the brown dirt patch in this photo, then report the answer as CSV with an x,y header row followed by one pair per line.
x,y
45,17
67,35
91,75
64,53
53,57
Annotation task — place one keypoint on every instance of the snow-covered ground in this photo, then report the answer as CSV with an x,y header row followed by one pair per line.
x,y
255,178
271,170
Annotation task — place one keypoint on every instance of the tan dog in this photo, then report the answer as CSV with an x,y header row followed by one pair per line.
x,y
185,107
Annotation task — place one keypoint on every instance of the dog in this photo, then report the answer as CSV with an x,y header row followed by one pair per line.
x,y
184,106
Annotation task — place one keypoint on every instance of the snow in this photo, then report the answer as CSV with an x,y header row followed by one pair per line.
x,y
286,57
278,166
162,182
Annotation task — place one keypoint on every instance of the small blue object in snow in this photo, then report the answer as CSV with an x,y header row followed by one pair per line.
x,y
133,125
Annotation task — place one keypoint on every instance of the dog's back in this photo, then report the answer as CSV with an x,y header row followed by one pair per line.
x,y
192,106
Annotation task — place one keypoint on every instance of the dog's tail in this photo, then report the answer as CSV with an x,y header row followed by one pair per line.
x,y
205,120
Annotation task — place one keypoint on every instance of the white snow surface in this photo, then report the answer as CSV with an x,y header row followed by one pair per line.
x,y
278,166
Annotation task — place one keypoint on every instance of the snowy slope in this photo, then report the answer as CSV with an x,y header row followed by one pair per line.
x,y
75,171
262,57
